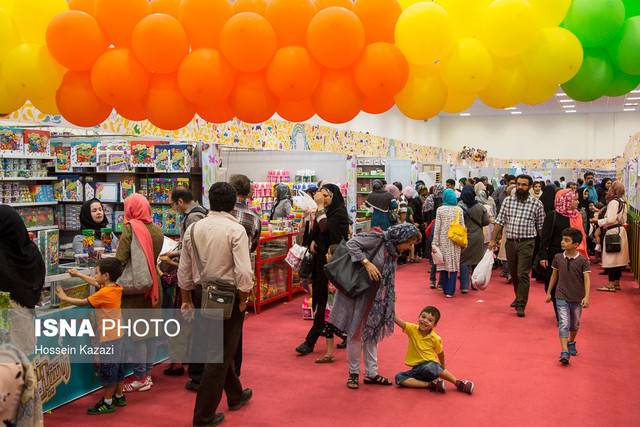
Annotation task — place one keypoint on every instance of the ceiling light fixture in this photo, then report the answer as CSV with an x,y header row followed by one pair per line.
x,y
634,98
516,112
561,94
465,114
511,108
635,91
630,109
570,111
631,104
568,106
567,100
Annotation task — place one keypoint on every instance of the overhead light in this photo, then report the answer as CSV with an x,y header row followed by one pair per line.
x,y
515,113
635,98
630,104
465,114
567,100
561,94
630,109
511,108
635,91
570,111
568,106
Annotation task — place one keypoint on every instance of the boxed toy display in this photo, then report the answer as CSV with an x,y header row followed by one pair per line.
x,y
84,154
11,140
37,142
143,153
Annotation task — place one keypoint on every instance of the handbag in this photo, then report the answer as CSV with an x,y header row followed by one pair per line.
x,y
350,278
613,242
217,294
136,278
457,233
306,265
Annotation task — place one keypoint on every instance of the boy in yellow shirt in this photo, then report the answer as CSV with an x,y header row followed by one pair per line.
x,y
425,356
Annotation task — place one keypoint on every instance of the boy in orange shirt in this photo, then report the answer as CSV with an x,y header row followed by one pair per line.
x,y
106,301
425,355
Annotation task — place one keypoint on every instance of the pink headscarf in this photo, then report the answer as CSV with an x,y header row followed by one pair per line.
x,y
564,201
409,192
137,213
395,192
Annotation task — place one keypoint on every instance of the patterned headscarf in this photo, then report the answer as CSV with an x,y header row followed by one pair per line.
x,y
409,193
395,192
379,323
438,189
563,205
481,193
449,197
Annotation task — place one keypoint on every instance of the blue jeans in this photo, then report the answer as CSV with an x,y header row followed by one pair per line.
x,y
111,368
465,276
426,372
568,317
448,282
143,350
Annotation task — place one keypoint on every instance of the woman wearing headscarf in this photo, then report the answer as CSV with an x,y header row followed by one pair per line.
x,y
22,269
476,218
394,190
614,223
283,205
536,190
140,228
447,213
548,198
565,215
603,189
92,217
415,209
368,318
432,203
331,226
382,203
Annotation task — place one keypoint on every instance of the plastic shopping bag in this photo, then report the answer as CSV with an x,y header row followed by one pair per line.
x,y
295,256
436,255
305,202
482,274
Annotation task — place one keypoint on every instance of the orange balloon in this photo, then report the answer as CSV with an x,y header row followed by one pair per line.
x,y
290,19
381,71
296,111
256,6
216,112
203,21
248,42
170,7
118,18
160,43
165,106
336,37
75,40
293,74
251,99
323,4
118,78
78,103
88,6
134,111
379,18
337,99
378,105
204,76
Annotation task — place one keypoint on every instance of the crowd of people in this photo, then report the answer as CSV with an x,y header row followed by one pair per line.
x,y
551,229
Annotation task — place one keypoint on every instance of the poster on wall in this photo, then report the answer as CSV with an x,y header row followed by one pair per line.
x,y
211,171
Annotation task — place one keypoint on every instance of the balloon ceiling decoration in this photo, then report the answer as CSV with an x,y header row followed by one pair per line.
x,y
168,60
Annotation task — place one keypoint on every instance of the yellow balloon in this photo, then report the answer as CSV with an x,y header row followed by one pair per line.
x,y
457,102
8,34
469,67
465,15
7,5
8,102
550,13
555,56
423,33
406,3
508,27
539,92
31,72
507,87
46,105
33,16
424,95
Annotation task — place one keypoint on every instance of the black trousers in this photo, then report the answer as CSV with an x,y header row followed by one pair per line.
x,y
219,377
614,273
320,295
547,280
195,369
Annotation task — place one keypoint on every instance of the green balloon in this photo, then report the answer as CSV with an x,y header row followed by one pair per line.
x,y
625,49
622,84
595,22
593,79
632,7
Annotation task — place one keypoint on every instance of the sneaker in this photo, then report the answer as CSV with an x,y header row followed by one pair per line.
x,y
564,358
247,394
120,401
437,385
513,304
433,285
192,386
465,386
572,348
464,291
304,349
448,296
101,408
520,311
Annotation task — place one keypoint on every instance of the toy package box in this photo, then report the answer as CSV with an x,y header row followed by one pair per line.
x,y
37,143
72,217
37,216
127,187
62,153
118,221
162,158
69,189
84,154
11,141
42,193
49,244
143,153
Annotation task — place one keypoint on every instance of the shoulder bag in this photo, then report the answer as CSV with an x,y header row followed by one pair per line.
x,y
217,294
350,278
613,242
136,278
457,233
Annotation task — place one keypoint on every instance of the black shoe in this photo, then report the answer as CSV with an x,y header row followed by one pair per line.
x,y
342,345
304,349
217,419
513,304
192,386
247,393
172,371
520,311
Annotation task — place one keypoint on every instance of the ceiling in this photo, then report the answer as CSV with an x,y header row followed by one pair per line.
x,y
561,104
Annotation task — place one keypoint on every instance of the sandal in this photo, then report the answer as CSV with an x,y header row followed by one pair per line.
x,y
326,359
377,380
352,382
607,289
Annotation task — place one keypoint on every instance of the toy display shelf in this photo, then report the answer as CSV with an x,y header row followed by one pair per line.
x,y
42,228
366,176
24,156
30,204
33,178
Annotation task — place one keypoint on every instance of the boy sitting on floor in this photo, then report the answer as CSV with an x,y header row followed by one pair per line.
x,y
425,356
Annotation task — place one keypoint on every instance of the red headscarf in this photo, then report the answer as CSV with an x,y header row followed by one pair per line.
x,y
137,213
564,206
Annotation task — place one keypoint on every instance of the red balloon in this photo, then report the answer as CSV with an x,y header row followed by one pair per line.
x,y
204,76
118,78
118,18
381,71
216,112
290,19
134,111
166,107
160,43
378,105
78,103
248,42
293,74
379,18
335,37
75,40
337,99
203,20
251,99
296,111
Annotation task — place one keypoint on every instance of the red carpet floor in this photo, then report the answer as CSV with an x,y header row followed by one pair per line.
x,y
513,361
